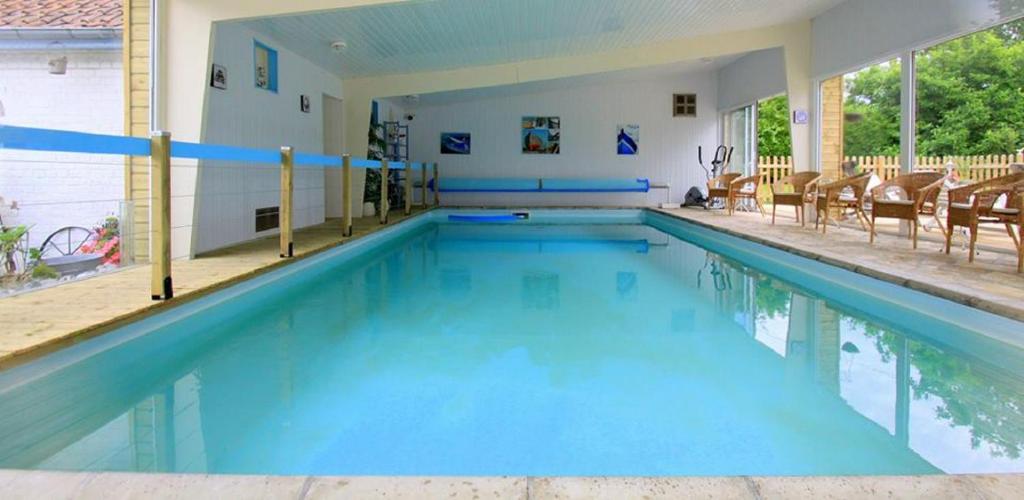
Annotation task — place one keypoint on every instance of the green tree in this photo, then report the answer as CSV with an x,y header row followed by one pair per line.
x,y
970,98
872,110
773,127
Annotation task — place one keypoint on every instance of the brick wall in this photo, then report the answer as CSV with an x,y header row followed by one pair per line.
x,y
136,117
831,127
57,190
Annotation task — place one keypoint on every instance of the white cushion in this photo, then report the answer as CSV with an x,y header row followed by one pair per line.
x,y
895,202
1006,211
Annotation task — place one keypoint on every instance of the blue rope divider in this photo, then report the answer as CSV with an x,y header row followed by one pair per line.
x,y
39,139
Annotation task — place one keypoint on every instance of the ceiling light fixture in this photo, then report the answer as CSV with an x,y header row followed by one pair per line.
x,y
338,46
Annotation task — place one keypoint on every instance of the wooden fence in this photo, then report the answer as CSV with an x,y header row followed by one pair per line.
x,y
976,168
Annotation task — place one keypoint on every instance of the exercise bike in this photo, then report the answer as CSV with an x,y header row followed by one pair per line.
x,y
719,164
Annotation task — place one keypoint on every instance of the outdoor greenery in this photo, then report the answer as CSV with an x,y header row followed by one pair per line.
x,y
963,393
773,127
970,101
970,98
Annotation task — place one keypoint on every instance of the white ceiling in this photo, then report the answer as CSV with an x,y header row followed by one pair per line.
x,y
428,35
664,71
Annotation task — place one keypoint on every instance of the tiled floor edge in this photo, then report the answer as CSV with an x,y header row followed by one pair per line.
x,y
1016,313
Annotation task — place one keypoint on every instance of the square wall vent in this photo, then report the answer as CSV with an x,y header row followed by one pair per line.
x,y
684,105
267,218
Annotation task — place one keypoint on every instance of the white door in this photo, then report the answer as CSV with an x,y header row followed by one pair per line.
x,y
334,134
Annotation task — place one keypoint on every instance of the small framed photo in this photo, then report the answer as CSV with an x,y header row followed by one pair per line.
x,y
219,77
304,103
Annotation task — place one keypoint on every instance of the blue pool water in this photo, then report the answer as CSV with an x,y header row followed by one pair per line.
x,y
576,343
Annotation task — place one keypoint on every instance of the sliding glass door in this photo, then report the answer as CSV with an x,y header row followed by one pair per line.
x,y
740,129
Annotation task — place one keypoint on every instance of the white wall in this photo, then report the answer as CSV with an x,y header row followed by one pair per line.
x,y
589,115
243,115
752,77
859,32
57,190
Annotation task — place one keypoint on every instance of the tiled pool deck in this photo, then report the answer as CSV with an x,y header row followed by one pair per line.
x,y
45,319
109,485
991,283
52,317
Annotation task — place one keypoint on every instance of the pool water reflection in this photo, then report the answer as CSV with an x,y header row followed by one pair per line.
x,y
542,350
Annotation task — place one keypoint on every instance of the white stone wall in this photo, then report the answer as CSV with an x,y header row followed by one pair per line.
x,y
59,189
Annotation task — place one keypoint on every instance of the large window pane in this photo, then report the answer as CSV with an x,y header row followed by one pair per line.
x,y
970,104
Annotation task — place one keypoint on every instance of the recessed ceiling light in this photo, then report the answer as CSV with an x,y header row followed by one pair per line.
x,y
338,46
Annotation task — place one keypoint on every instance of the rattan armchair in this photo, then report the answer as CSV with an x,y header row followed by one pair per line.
x,y
719,187
833,196
805,190
974,204
920,195
745,188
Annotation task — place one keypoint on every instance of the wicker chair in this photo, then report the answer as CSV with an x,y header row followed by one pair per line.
x,y
719,187
974,204
745,188
831,196
805,190
921,191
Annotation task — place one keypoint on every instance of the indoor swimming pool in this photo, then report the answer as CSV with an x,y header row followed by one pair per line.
x,y
569,343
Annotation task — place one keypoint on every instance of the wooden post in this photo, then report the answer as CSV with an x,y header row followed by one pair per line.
x,y
423,184
408,187
160,216
285,210
384,208
437,187
346,195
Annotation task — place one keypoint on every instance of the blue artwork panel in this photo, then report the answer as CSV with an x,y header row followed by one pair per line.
x,y
628,139
455,143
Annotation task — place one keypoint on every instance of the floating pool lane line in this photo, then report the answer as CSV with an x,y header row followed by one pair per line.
x,y
514,217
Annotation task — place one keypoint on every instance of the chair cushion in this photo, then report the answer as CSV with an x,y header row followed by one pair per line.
x,y
960,206
1006,211
894,202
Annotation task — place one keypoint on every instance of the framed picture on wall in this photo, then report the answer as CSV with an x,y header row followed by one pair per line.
x,y
265,65
455,143
304,103
628,139
219,77
541,135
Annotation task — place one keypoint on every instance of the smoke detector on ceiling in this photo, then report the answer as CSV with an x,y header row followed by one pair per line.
x,y
338,45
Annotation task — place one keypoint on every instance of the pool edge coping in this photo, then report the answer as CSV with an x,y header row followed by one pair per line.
x,y
983,304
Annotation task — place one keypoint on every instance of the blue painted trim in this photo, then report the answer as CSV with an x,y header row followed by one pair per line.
x,y
272,83
39,139
317,160
364,163
223,153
